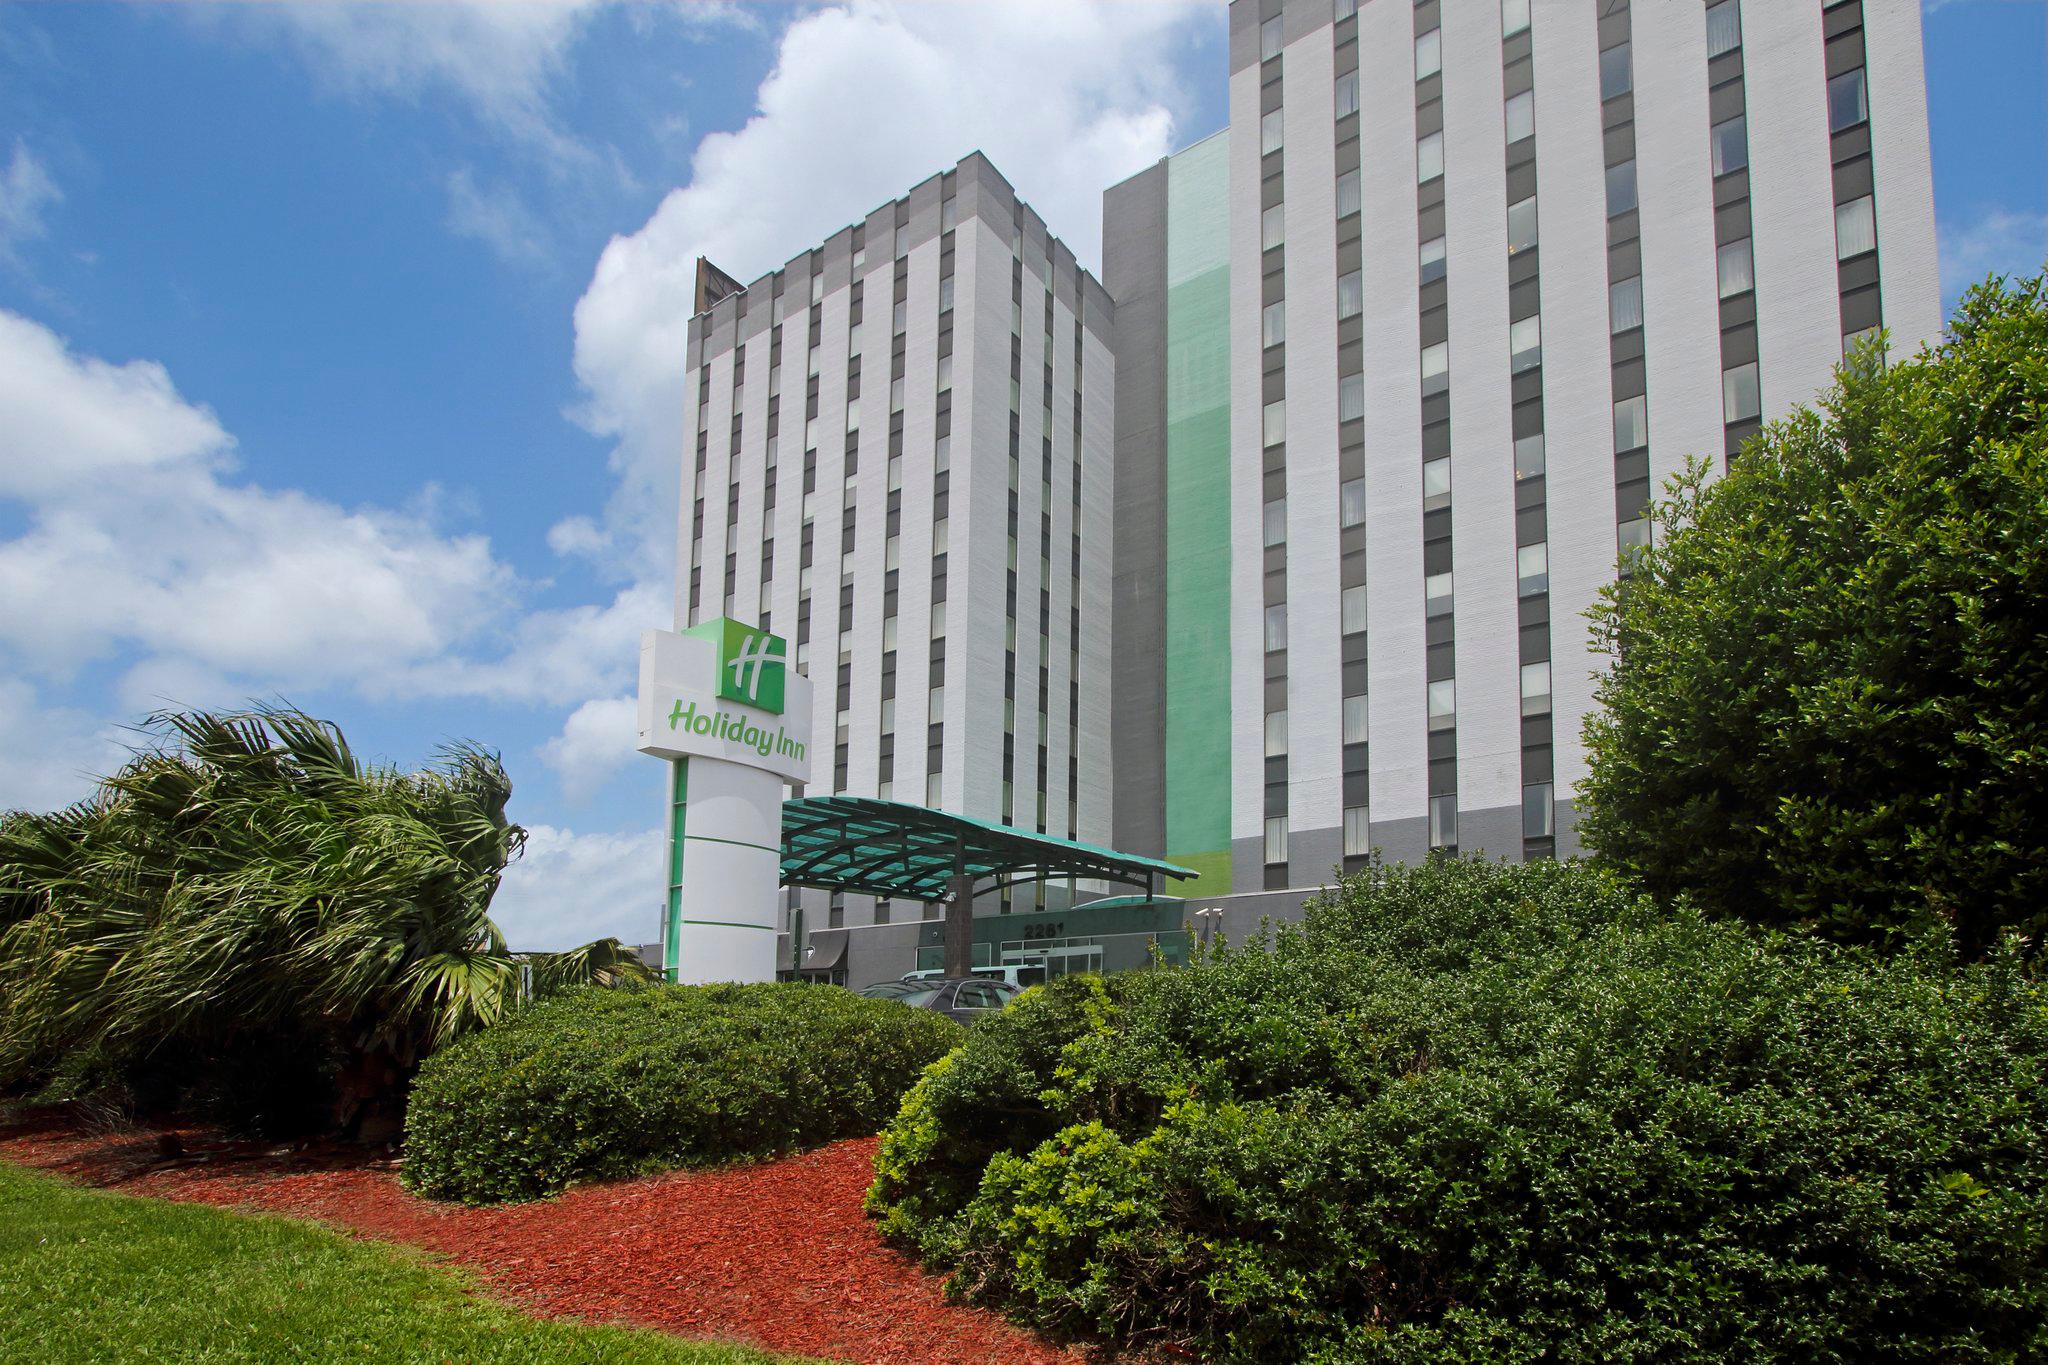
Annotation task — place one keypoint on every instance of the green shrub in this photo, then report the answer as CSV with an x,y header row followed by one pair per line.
x,y
1828,706
605,1083
1478,1112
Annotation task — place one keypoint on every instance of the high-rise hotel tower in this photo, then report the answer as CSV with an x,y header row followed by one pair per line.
x,y
1299,512
1465,281
900,461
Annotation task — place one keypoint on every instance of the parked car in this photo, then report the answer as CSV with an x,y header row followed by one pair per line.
x,y
893,990
1015,974
965,999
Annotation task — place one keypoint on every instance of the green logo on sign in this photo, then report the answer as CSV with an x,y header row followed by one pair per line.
x,y
750,665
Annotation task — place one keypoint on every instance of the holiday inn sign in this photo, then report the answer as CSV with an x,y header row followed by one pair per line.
x,y
725,690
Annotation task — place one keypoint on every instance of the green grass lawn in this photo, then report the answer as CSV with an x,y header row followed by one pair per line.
x,y
89,1276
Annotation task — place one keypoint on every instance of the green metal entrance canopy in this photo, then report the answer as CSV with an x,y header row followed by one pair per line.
x,y
891,848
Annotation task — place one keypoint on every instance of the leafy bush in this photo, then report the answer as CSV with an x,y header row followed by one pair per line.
x,y
1472,1111
1828,708
599,1084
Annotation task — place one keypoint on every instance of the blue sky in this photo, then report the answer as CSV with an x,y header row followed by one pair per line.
x,y
340,346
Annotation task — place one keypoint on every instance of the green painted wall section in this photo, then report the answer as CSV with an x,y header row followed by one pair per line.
x,y
1198,715
679,800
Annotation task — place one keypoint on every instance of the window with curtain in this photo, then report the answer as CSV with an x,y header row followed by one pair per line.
x,y
1735,268
1357,836
1429,53
1272,129
1352,610
1351,398
1349,199
1741,396
1272,37
1525,343
1276,839
1436,368
1536,688
1357,719
1347,94
1631,424
1625,304
1274,323
1276,522
1536,811
1514,17
1532,569
1521,116
1443,822
1429,158
1855,228
1731,145
1350,295
1351,503
1724,28
1431,259
1529,456
1521,225
1276,628
1275,422
1436,483
1276,733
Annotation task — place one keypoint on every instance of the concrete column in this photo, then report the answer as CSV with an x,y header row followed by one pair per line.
x,y
726,863
960,927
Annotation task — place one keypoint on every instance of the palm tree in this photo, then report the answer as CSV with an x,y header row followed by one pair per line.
x,y
246,873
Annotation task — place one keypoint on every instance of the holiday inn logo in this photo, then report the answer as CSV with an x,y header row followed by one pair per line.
x,y
751,663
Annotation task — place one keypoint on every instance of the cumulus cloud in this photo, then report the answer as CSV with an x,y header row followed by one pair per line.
x,y
570,888
1065,98
26,192
50,755
596,742
1993,240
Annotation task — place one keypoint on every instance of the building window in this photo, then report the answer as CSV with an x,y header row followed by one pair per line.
x,y
1357,836
1532,569
1353,610
1737,270
1432,260
892,553
1436,368
1621,187
936,712
1347,94
1276,522
946,291
1357,719
1525,343
1276,733
1536,688
1273,227
1633,535
1616,78
1351,398
938,620
1272,128
1741,399
1274,323
1351,503
896,388
1272,37
1855,228
1429,158
1350,295
1848,104
1276,628
1439,596
1521,116
1340,10
1521,225
1529,456
931,790
1274,422
1429,53
1276,839
1514,17
1724,28
1349,199
1436,484
1857,338
1631,424
1625,304
1536,811
1731,145
1443,822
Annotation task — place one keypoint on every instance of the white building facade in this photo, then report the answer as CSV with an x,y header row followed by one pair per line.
x,y
1498,268
900,461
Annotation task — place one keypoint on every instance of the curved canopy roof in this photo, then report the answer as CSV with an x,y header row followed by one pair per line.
x,y
891,848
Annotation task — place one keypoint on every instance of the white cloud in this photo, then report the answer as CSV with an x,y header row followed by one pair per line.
x,y
1996,240
50,755
495,216
1065,98
26,191
570,888
595,744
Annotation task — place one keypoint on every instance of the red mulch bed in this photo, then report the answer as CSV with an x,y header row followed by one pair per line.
x,y
777,1255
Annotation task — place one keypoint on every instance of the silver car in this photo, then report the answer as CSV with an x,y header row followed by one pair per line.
x,y
964,999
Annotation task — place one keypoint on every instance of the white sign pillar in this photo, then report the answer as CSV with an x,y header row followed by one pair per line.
x,y
721,703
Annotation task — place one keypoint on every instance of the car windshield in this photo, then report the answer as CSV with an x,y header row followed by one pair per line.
x,y
921,998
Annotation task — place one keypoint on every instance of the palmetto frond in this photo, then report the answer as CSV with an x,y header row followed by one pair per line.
x,y
246,870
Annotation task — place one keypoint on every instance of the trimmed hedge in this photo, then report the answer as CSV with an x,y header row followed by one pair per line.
x,y
1473,1111
599,1084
